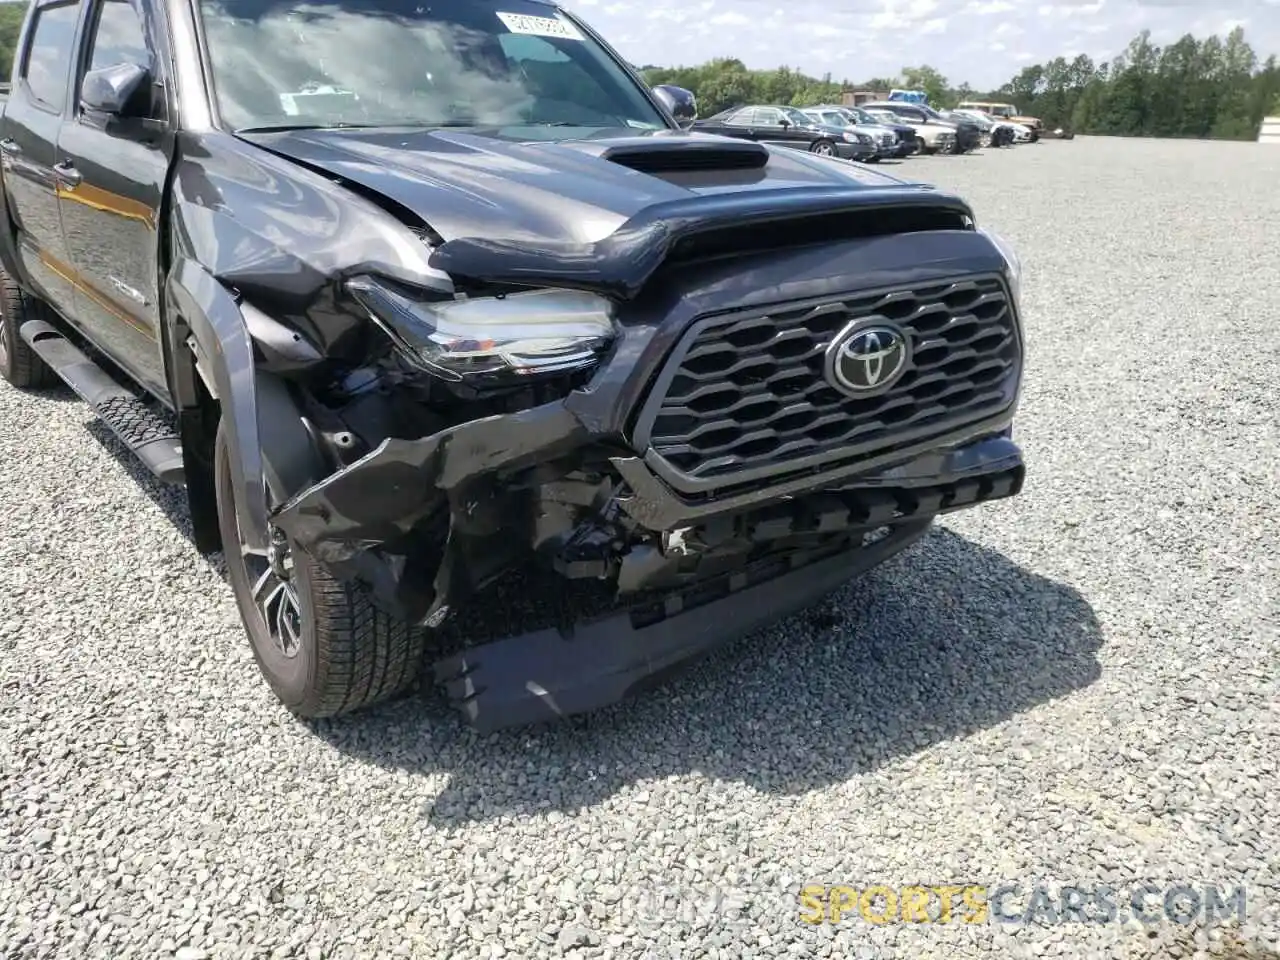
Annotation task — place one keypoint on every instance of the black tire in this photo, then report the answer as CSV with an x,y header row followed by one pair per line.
x,y
349,655
921,146
824,148
19,364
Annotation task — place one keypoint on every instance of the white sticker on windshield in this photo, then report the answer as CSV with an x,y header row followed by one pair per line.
x,y
540,26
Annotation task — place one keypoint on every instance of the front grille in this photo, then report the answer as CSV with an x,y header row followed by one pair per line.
x,y
745,394
888,139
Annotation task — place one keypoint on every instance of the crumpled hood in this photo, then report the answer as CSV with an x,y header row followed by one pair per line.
x,y
504,184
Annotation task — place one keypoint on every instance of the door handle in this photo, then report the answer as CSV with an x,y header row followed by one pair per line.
x,y
10,146
66,173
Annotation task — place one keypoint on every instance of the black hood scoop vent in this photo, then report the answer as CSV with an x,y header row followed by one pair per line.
x,y
656,156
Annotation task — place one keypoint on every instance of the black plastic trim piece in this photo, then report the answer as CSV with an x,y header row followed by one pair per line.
x,y
548,674
150,437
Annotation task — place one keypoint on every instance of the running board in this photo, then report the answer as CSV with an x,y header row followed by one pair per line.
x,y
152,438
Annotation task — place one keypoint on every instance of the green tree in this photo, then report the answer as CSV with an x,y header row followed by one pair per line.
x,y
11,17
1195,87
926,78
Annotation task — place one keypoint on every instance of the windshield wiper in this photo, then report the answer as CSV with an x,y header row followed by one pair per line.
x,y
286,127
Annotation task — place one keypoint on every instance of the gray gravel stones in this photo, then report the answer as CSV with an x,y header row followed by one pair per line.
x,y
1078,686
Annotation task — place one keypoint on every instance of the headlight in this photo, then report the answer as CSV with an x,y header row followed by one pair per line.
x,y
1011,259
863,138
849,137
516,335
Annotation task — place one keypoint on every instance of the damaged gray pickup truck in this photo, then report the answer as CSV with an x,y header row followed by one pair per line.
x,y
422,303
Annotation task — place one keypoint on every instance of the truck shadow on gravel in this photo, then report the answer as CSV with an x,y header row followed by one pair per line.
x,y
943,641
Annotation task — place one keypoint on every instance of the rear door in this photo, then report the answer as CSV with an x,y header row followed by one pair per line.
x,y
770,129
28,147
739,124
116,169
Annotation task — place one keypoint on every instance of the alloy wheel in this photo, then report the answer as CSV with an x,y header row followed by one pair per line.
x,y
273,592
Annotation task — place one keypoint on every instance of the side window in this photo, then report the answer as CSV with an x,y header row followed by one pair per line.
x,y
743,118
767,117
49,57
118,37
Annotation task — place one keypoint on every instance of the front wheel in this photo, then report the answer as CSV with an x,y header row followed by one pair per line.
x,y
322,646
921,146
824,148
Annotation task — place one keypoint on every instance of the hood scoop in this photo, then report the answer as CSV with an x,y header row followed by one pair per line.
x,y
711,154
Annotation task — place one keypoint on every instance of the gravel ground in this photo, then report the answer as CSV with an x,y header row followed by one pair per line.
x,y
1076,686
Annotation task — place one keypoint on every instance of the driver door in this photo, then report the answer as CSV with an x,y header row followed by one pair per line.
x,y
772,128
115,170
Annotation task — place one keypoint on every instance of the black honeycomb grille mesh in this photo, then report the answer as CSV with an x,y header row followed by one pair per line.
x,y
748,394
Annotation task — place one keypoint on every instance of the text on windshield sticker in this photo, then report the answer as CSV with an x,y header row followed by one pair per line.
x,y
539,26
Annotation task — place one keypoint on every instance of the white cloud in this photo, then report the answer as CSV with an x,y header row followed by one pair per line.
x,y
982,42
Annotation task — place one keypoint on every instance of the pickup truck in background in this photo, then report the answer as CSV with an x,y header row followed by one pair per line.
x,y
423,302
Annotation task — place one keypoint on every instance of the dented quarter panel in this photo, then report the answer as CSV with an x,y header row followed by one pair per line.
x,y
284,237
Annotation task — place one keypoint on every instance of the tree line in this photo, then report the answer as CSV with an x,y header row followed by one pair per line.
x,y
1210,88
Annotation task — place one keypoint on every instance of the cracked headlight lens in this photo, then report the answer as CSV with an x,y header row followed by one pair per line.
x,y
511,336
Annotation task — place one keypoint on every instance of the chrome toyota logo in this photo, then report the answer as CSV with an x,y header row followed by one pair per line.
x,y
864,359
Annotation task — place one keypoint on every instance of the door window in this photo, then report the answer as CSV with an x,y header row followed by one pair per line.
x,y
118,37
49,58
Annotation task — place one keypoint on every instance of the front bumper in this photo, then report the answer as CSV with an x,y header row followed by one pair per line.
x,y
855,151
549,673
496,479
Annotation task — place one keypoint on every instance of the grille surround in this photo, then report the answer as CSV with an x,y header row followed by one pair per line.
x,y
965,372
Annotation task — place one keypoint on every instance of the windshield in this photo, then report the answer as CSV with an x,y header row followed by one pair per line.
x,y
410,63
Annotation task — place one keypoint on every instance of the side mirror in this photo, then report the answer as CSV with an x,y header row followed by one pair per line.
x,y
111,90
681,102
784,123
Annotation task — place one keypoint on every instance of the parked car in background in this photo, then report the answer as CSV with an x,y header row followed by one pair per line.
x,y
885,140
929,137
782,126
1006,111
995,133
907,143
967,136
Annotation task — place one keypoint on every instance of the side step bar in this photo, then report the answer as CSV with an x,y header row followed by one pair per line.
x,y
152,438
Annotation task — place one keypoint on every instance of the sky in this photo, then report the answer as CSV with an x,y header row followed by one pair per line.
x,y
983,42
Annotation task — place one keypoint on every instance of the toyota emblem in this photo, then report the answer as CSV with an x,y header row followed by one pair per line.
x,y
867,359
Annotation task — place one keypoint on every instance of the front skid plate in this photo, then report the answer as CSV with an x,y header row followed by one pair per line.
x,y
549,673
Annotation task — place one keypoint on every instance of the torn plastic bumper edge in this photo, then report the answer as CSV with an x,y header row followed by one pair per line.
x,y
356,521
385,494
548,674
